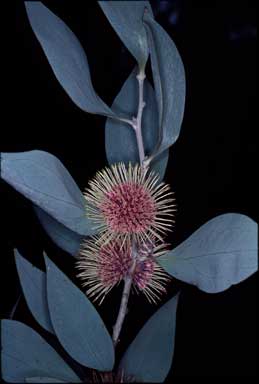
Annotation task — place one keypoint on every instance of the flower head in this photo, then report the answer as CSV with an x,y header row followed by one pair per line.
x,y
104,266
129,203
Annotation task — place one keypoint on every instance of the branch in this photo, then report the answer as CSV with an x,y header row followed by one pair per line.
x,y
125,297
124,120
136,124
137,121
123,309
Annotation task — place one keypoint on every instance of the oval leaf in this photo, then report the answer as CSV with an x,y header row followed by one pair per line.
x,y
126,19
66,239
33,283
43,179
120,138
221,253
66,57
77,324
149,357
26,353
169,81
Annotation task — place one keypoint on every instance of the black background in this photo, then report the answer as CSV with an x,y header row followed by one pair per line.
x,y
211,167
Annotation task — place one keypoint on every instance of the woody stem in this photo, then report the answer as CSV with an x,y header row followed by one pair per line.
x,y
125,296
136,124
136,121
122,310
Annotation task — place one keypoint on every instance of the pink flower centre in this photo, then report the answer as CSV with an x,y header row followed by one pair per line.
x,y
115,264
128,208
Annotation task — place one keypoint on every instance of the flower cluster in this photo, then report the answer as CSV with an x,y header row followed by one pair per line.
x,y
132,212
110,377
104,266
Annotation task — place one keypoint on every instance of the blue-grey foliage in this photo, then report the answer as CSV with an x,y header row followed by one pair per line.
x,y
159,163
42,379
66,57
77,324
169,81
222,252
43,179
126,19
120,138
149,357
65,238
25,353
33,282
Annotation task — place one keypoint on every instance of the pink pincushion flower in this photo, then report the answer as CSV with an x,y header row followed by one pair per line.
x,y
129,203
104,266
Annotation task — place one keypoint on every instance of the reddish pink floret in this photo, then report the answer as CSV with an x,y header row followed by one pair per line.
x,y
115,264
128,207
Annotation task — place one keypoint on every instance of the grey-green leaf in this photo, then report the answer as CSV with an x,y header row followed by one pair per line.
x,y
66,239
25,353
149,357
169,81
33,283
120,138
126,19
219,254
66,57
38,379
43,179
77,324
159,163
